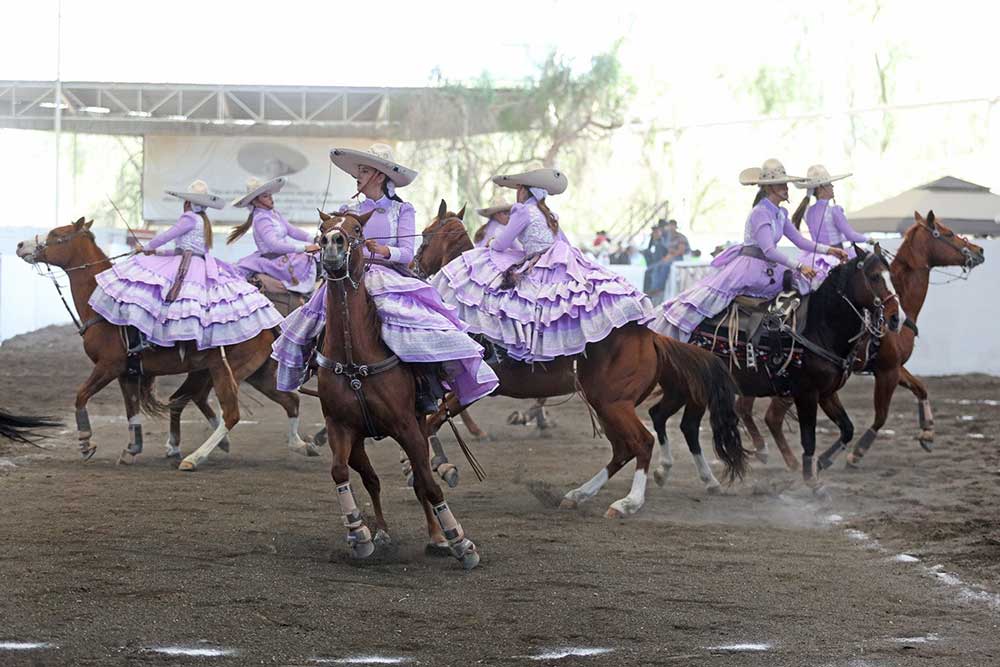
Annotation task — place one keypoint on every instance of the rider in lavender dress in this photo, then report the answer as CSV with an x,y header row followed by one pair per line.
x,y
826,221
753,268
416,325
544,301
497,218
282,248
184,294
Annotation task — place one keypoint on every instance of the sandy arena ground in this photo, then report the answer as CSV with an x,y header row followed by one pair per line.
x,y
246,559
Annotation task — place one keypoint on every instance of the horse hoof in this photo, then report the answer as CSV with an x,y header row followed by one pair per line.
x,y
568,504
714,489
126,458
613,513
793,465
761,455
360,550
175,455
381,538
517,418
470,559
88,453
823,463
852,463
451,477
311,450
926,440
661,475
436,550
302,449
187,466
224,445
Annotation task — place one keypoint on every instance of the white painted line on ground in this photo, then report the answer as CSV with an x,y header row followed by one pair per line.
x,y
364,660
194,651
568,652
834,519
738,648
929,637
905,558
24,646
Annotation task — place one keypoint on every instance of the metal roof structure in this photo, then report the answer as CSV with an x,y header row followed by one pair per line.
x,y
231,110
967,208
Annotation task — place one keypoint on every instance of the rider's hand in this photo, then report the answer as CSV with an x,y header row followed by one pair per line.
x,y
839,253
377,248
312,247
809,272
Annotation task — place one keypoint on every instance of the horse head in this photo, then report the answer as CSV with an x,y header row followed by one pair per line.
x,y
443,240
865,283
937,245
341,241
63,246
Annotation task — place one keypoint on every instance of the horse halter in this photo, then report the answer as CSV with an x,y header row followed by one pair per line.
x,y
970,260
352,244
41,245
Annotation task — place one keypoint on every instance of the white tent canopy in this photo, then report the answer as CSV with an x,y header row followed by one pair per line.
x,y
965,207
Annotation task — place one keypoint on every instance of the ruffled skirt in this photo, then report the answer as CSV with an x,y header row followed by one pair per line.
x,y
416,326
214,306
738,275
559,305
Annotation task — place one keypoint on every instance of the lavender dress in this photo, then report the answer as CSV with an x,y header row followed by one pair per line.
x,y
828,224
416,325
493,227
739,274
560,304
215,305
281,252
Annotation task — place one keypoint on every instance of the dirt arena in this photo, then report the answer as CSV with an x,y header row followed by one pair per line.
x,y
244,561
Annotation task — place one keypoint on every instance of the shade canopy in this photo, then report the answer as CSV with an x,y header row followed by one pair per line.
x,y
965,207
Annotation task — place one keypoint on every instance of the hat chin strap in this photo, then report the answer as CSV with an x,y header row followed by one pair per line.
x,y
367,183
538,193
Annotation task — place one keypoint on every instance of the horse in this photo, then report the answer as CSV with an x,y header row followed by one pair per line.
x,y
74,249
828,342
927,244
366,391
613,376
20,428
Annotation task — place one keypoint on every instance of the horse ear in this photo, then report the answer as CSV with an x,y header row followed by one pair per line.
x,y
442,210
461,214
79,223
930,219
859,251
878,248
323,216
88,224
363,218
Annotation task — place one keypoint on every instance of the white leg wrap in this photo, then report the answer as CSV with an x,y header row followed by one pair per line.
x,y
590,488
134,434
349,508
449,524
636,497
196,457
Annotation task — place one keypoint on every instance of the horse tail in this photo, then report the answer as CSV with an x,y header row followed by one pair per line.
x,y
21,428
708,384
148,401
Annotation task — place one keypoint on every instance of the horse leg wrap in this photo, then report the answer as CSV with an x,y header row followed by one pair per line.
x,y
925,415
807,470
439,453
449,524
864,443
352,515
826,458
134,435
83,424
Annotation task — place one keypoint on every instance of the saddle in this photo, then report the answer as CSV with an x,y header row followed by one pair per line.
x,y
283,300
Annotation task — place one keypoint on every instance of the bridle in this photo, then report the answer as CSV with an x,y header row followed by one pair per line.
x,y
963,249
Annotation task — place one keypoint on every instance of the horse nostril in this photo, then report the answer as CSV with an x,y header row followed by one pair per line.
x,y
20,245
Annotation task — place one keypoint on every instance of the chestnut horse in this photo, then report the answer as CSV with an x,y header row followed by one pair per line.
x,y
829,341
614,376
74,249
927,244
366,391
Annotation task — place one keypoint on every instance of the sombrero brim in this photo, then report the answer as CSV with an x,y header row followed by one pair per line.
x,y
269,187
351,160
552,181
752,176
199,198
259,158
815,183
493,210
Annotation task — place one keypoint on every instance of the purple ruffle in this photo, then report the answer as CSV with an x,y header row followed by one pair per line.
x,y
559,306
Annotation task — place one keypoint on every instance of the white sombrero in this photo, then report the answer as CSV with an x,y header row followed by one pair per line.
x,y
817,175
255,189
199,195
771,173
378,157
490,211
267,159
552,181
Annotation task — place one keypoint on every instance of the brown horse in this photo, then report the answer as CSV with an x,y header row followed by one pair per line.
x,y
366,391
829,341
74,249
614,376
927,244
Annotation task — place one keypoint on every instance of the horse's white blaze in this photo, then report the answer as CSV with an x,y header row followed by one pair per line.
x,y
590,487
705,471
892,290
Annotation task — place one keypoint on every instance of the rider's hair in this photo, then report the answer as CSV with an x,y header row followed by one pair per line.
x,y
760,195
550,217
385,190
241,229
207,229
801,210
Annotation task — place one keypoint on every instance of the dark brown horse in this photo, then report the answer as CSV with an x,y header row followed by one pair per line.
x,y
74,249
20,428
614,376
366,391
832,329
